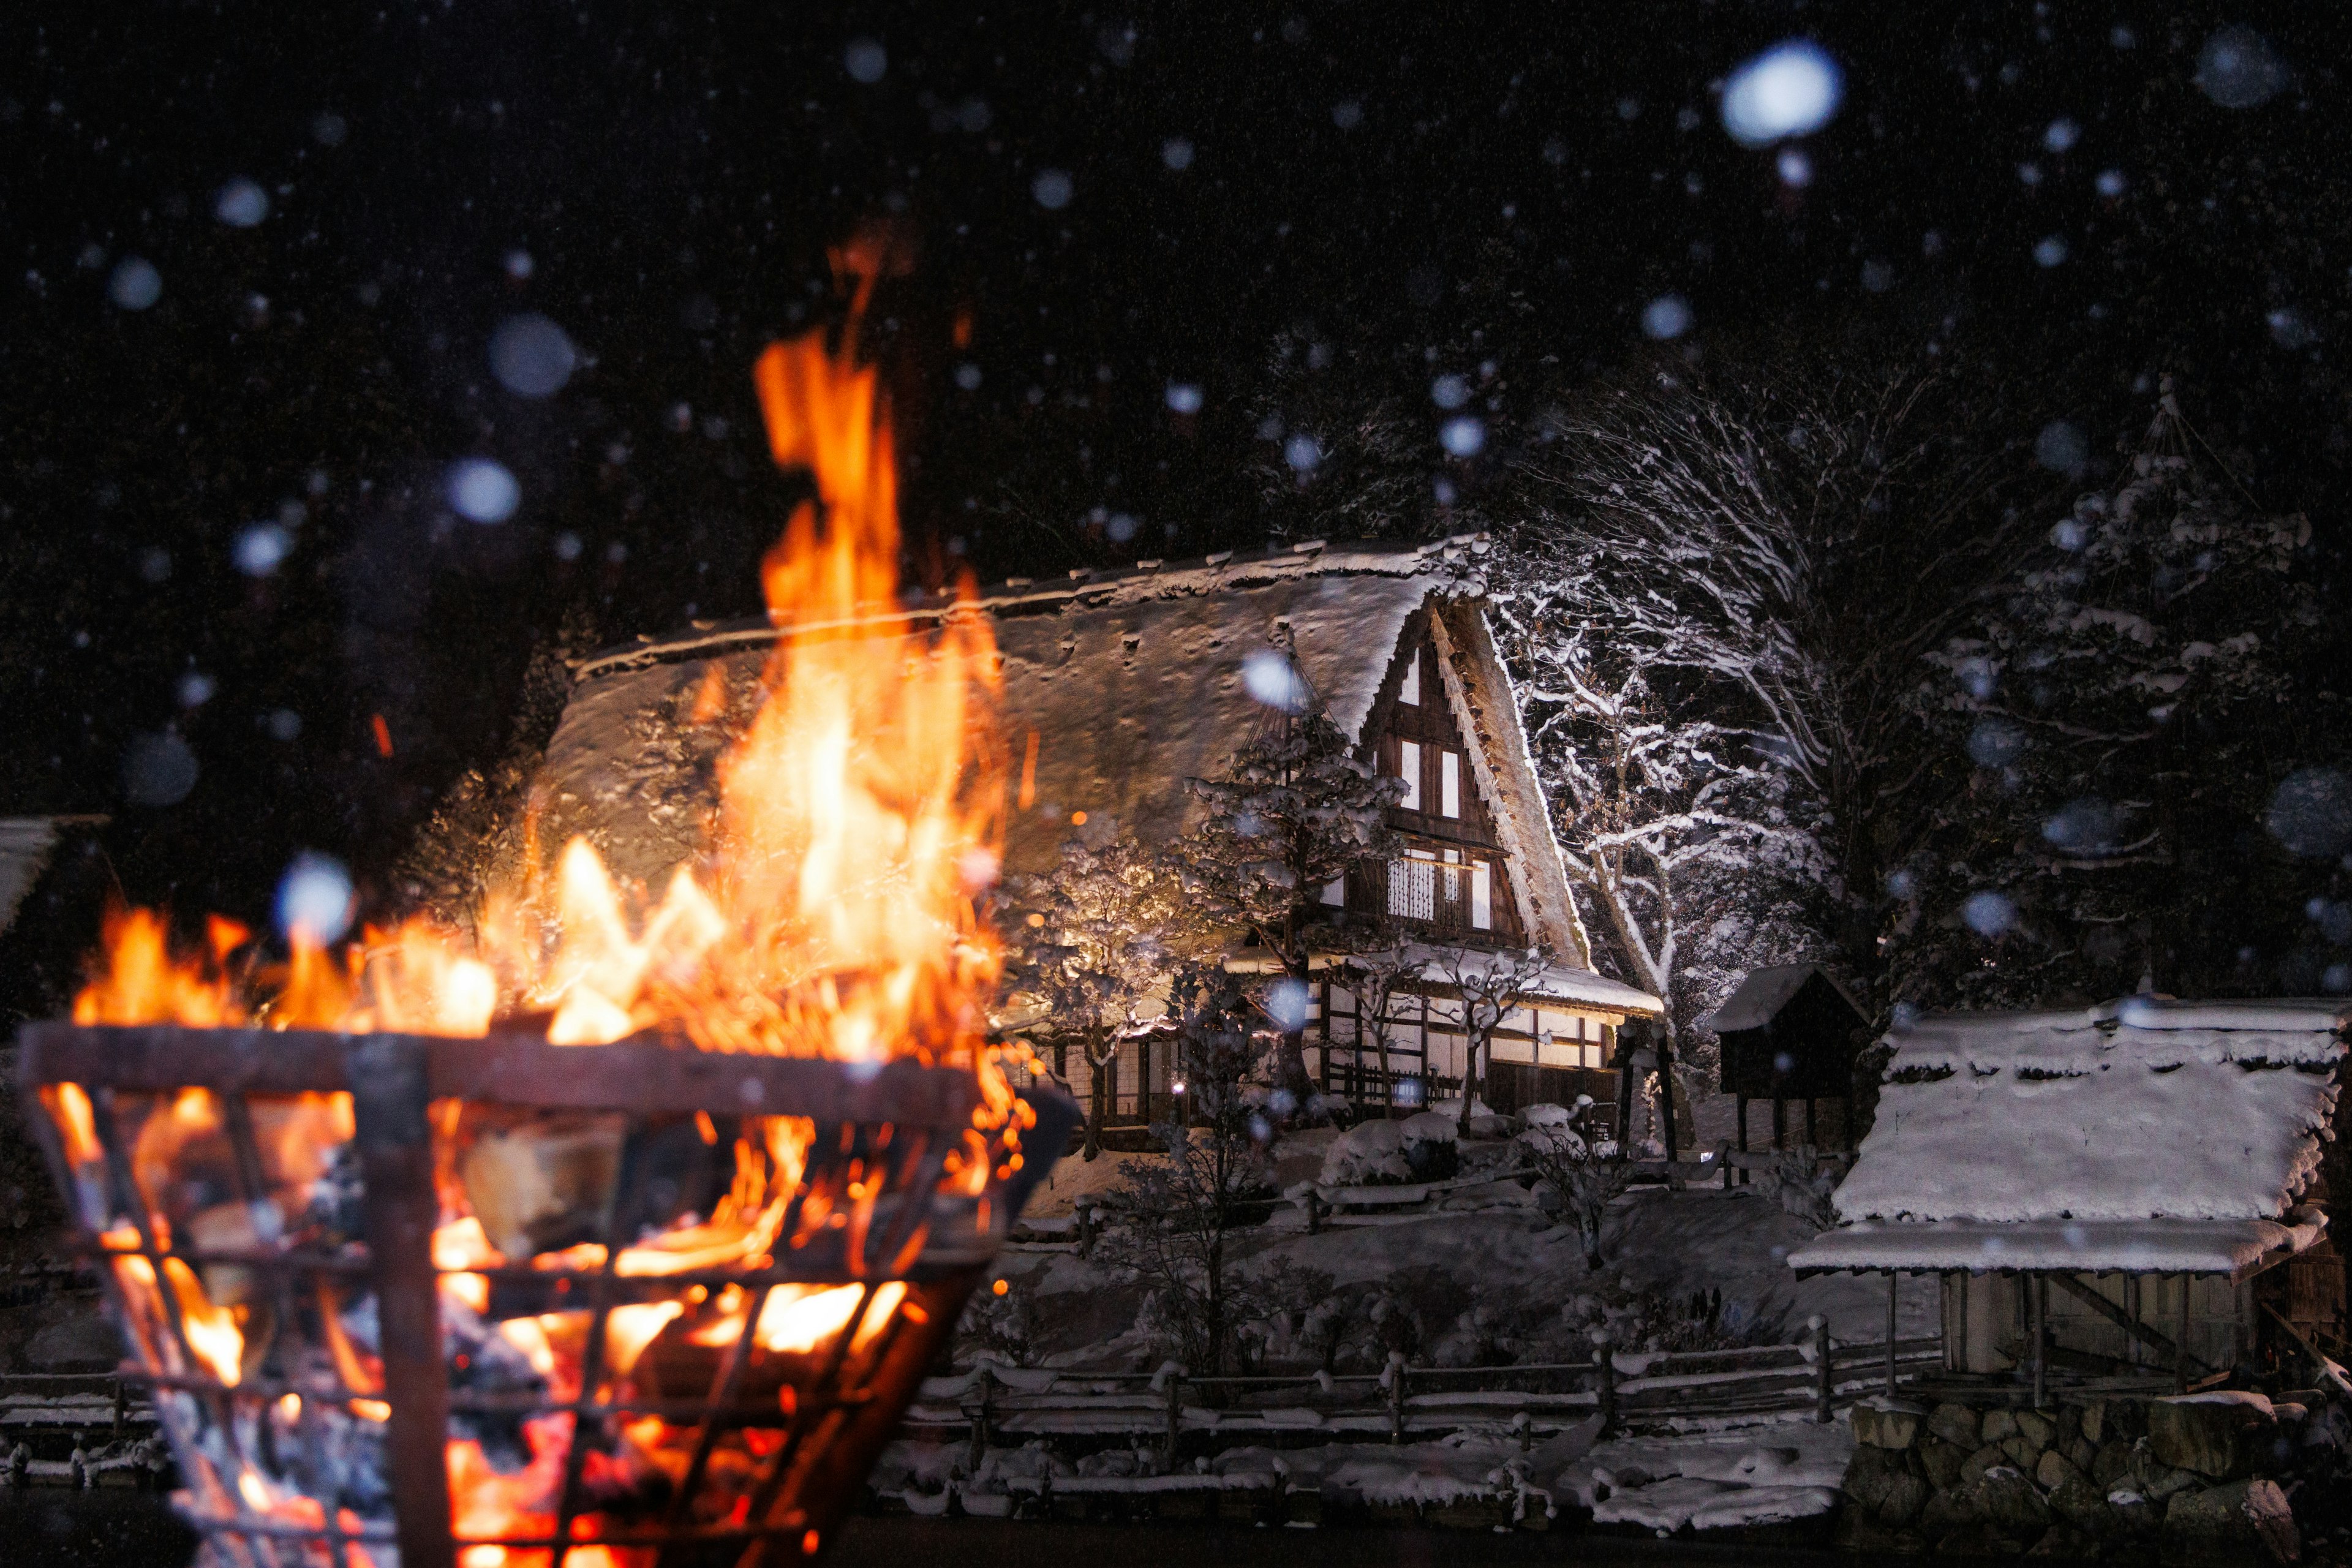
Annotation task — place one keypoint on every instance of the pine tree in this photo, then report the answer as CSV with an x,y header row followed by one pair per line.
x,y
2115,719
1294,810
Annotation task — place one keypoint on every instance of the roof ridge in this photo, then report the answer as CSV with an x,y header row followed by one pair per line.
x,y
1225,568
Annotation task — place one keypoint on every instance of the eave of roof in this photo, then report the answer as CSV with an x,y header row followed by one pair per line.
x,y
2238,1248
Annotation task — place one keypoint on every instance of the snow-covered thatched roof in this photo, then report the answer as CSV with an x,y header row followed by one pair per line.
x,y
2143,1135
1131,682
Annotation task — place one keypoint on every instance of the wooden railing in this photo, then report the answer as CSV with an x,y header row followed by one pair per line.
x,y
1626,1390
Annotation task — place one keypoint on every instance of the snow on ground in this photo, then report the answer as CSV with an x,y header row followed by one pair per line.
x,y
1761,1474
1755,1473
1506,1264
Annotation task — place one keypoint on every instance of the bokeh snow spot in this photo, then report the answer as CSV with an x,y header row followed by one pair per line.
x,y
261,549
2086,827
158,770
1270,679
1184,397
1287,1004
314,899
1667,316
241,203
135,284
531,356
2061,447
1988,913
1996,741
482,490
2238,69
2310,813
1053,189
1462,436
1789,89
865,60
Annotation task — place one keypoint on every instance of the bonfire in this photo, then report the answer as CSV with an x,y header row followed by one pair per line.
x,y
609,1225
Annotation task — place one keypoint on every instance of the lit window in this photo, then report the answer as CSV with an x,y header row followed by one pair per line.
x,y
1482,897
1412,888
1334,891
1409,768
1449,783
1411,690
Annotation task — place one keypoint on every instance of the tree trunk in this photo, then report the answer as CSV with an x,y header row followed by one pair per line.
x,y
1469,1079
1666,1091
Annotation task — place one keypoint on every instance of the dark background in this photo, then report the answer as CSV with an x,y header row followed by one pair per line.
x,y
1512,187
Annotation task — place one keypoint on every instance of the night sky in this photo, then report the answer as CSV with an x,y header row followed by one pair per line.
x,y
228,529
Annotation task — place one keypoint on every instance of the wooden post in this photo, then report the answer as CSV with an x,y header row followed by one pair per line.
x,y
1824,1373
1723,1153
1893,1289
1813,1139
977,1450
2181,1344
1175,1419
1606,1354
2040,1284
1780,1123
1396,1400
1743,1137
2131,1311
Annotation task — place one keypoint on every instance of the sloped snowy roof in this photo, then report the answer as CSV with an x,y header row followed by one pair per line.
x,y
1130,682
2134,1111
1763,993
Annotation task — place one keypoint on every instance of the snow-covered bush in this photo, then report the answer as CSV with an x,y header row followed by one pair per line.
x,y
1431,1148
1803,1190
1369,1154
1577,1174
1421,1148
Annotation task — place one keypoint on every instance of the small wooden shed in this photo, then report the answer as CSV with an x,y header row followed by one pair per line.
x,y
1788,1031
2127,1189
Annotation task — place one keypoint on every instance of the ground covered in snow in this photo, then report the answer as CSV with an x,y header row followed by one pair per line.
x,y
1480,1278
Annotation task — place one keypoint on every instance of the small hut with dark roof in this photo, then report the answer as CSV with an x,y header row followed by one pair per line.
x,y
1789,1032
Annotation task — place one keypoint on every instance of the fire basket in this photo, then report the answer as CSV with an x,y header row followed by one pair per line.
x,y
481,1301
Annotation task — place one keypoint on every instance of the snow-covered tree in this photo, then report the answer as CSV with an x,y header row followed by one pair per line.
x,y
1293,810
1376,970
1754,563
2111,715
1094,941
1679,837
1174,1217
1490,988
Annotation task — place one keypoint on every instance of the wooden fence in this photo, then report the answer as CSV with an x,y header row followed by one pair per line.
x,y
992,1404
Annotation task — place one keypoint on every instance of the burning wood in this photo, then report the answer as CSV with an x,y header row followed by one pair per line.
x,y
466,1274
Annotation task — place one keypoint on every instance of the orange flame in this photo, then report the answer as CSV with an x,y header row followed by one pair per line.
x,y
860,814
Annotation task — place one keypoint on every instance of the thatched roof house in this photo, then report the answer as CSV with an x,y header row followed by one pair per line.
x,y
1131,682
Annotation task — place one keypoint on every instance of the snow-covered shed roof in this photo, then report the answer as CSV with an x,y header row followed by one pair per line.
x,y
1131,682
1763,993
2144,1135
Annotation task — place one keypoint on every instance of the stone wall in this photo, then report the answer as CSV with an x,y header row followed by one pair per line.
x,y
2191,1480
